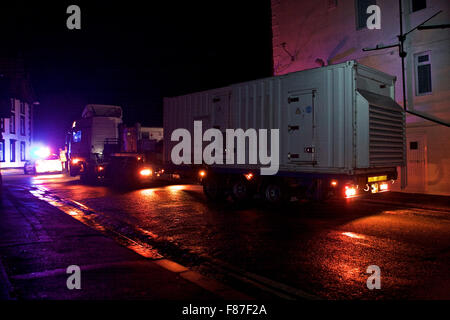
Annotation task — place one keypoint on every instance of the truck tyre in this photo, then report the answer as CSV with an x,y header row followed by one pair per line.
x,y
275,194
213,190
240,191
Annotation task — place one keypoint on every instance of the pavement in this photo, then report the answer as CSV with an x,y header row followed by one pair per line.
x,y
38,243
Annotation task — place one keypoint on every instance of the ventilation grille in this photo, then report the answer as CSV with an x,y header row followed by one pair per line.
x,y
387,136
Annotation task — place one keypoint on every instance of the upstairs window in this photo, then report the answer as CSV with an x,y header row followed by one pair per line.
x,y
22,107
361,12
13,105
2,125
417,5
22,125
423,73
12,123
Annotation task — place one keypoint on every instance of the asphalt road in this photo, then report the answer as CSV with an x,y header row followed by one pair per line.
x,y
323,249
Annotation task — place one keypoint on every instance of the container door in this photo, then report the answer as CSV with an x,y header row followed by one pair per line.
x,y
300,127
417,163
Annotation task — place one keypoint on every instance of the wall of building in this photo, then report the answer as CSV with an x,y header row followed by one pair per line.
x,y
19,135
309,33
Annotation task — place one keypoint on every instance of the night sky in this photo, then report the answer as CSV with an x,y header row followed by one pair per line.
x,y
133,53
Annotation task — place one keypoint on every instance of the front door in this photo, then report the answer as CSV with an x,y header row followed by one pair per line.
x,y
300,127
417,163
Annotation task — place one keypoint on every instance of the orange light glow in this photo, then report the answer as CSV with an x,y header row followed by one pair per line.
x,y
100,168
334,183
249,176
353,235
350,192
145,172
75,160
384,187
202,173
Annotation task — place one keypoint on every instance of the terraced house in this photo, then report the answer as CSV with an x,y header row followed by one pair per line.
x,y
16,118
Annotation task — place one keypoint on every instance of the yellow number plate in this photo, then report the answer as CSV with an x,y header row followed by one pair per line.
x,y
377,178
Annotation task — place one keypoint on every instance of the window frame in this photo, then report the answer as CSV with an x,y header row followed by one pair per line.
x,y
13,105
12,123
2,125
22,107
416,72
22,126
23,155
3,151
12,150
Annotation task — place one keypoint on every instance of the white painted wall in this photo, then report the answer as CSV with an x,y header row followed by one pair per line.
x,y
27,138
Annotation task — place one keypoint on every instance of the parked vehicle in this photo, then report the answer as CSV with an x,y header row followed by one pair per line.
x,y
50,164
341,133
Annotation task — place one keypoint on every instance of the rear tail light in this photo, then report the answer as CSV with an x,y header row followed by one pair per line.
x,y
350,192
145,172
384,186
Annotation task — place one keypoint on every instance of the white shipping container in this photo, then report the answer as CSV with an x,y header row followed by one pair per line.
x,y
338,119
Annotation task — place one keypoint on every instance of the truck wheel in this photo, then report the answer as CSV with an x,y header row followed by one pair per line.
x,y
274,193
240,191
213,190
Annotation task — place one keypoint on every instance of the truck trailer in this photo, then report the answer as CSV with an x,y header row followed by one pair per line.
x,y
341,133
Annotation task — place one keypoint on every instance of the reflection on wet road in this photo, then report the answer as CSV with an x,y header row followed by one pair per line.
x,y
322,248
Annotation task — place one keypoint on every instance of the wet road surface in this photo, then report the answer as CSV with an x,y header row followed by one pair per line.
x,y
321,248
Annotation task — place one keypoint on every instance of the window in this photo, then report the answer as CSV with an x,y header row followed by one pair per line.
x,y
12,123
417,5
22,151
2,125
423,73
414,145
22,125
12,149
361,12
76,136
2,150
22,107
13,105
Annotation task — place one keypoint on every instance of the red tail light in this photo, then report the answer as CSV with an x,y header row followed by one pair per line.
x,y
350,191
